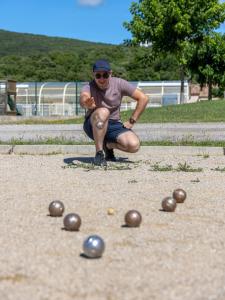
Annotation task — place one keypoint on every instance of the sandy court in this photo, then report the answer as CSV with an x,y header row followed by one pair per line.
x,y
171,256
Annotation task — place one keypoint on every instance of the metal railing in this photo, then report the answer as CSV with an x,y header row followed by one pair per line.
x,y
62,98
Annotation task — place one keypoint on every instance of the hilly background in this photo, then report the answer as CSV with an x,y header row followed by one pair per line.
x,y
30,44
29,57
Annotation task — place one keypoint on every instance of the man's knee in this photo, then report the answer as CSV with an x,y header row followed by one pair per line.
x,y
131,144
134,145
100,115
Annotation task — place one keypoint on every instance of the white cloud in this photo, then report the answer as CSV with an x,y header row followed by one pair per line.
x,y
90,2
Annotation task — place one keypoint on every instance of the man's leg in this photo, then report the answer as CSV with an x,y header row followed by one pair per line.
x,y
127,141
99,115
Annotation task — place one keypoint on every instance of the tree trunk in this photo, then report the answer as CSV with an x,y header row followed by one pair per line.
x,y
210,90
181,85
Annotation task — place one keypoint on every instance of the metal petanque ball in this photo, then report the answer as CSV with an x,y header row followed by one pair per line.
x,y
179,195
56,208
133,218
99,124
93,246
72,222
169,204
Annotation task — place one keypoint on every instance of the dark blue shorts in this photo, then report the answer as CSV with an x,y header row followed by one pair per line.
x,y
115,128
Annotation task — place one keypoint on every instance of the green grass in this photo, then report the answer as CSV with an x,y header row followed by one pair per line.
x,y
220,169
206,143
43,120
48,141
185,167
182,167
89,167
160,168
203,111
62,141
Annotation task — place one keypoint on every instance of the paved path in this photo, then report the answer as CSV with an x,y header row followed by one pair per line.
x,y
146,132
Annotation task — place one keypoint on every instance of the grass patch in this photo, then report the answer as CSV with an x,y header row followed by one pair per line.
x,y
47,141
204,155
62,141
90,167
197,180
206,143
180,168
161,168
203,111
187,168
42,120
219,169
132,181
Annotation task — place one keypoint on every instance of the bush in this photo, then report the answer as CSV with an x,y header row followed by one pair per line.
x,y
218,92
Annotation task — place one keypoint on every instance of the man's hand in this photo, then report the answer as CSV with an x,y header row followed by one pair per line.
x,y
88,102
128,125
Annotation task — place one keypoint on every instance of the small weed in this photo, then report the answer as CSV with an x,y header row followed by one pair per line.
x,y
132,181
41,154
188,139
14,278
195,180
219,169
118,167
187,168
204,155
89,167
161,168
180,168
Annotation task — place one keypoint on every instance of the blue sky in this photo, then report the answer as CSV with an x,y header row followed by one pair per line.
x,y
90,20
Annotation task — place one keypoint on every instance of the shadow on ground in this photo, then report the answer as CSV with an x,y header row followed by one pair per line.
x,y
90,160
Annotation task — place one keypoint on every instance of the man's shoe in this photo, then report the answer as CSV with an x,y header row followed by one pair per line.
x,y
109,153
99,159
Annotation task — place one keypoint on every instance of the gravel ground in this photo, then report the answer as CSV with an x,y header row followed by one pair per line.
x,y
171,256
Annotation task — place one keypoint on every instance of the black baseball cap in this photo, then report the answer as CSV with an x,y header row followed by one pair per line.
x,y
101,65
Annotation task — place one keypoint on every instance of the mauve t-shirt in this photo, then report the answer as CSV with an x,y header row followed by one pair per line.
x,y
111,97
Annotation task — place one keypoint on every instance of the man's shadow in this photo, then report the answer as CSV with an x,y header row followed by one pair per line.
x,y
90,160
86,160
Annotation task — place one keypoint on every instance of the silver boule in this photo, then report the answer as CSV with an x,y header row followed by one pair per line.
x,y
133,218
179,195
56,208
99,124
93,246
72,222
169,204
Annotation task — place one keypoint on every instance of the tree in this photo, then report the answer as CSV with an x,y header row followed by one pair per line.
x,y
208,61
175,26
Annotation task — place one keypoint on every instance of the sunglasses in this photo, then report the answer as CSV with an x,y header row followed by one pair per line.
x,y
104,75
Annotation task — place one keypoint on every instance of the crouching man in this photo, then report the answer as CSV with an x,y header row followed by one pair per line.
x,y
102,98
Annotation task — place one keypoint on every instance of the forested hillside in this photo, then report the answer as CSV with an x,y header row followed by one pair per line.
x,y
29,44
28,57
